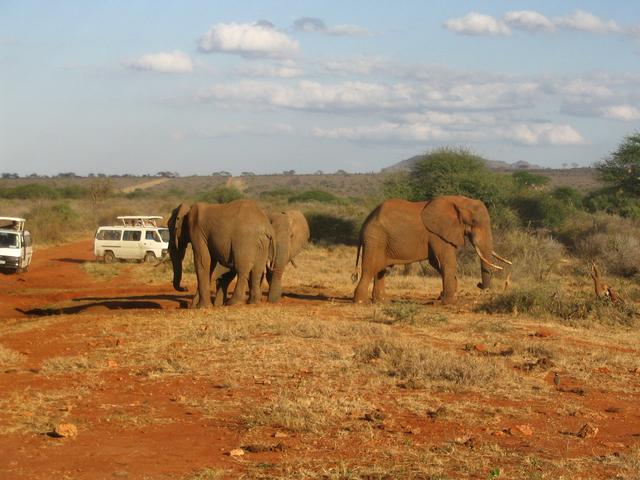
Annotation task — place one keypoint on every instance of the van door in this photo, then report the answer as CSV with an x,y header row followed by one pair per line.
x,y
27,249
131,244
154,242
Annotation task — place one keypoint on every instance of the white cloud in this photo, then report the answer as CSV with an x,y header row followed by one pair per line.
x,y
627,113
165,62
477,24
249,40
529,20
543,134
361,96
587,22
248,129
282,70
581,87
317,25
308,95
359,65
434,126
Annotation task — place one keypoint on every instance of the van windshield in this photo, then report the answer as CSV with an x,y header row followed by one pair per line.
x,y
9,240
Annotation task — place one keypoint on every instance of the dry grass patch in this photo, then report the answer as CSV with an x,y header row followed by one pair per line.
x,y
419,366
67,365
205,474
35,411
10,358
579,309
308,410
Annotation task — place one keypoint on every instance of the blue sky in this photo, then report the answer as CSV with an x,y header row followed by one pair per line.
x,y
266,86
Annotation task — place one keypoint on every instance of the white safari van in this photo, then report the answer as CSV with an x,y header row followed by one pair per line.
x,y
138,238
16,248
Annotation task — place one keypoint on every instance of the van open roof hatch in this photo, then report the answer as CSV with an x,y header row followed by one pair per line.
x,y
12,223
139,220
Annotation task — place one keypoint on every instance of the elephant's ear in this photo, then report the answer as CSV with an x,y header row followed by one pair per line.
x,y
446,219
178,222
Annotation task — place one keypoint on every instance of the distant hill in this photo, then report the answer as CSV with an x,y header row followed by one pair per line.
x,y
492,164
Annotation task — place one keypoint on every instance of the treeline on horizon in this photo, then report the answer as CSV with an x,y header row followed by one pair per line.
x,y
602,222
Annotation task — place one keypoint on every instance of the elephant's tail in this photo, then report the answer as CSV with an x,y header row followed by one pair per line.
x,y
354,275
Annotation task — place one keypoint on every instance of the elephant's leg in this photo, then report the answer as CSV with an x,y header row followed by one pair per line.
x,y
240,293
448,265
204,266
222,287
255,282
373,261
378,286
274,278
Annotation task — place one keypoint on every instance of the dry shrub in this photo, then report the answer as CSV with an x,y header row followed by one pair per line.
x,y
580,309
52,223
534,254
418,366
612,242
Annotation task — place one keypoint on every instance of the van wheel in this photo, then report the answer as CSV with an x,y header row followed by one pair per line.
x,y
109,257
149,257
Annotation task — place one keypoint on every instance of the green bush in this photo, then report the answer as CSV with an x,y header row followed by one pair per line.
x,y
330,229
51,223
30,191
277,194
527,179
540,210
569,196
449,171
397,185
613,201
73,191
316,196
621,169
221,195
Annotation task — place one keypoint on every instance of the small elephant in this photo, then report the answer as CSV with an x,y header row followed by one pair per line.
x,y
237,235
401,232
292,235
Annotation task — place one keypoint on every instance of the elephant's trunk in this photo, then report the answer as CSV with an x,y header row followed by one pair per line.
x,y
279,264
484,249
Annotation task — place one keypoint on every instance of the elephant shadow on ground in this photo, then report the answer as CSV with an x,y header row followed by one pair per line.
x,y
140,302
72,260
318,296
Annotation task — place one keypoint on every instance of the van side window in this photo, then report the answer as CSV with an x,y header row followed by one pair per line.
x,y
27,239
152,235
108,235
132,235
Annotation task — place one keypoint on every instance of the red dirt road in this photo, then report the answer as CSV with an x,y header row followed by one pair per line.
x,y
138,421
56,284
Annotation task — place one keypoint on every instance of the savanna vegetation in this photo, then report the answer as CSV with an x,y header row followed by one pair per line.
x,y
534,379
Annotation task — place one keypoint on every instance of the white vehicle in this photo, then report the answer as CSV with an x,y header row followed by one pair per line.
x,y
16,248
138,238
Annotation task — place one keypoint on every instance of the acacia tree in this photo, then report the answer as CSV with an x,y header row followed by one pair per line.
x,y
457,171
621,169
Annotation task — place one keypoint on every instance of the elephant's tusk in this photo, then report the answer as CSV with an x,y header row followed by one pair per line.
x,y
482,257
502,259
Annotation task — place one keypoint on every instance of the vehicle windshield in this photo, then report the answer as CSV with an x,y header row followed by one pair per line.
x,y
9,240
164,234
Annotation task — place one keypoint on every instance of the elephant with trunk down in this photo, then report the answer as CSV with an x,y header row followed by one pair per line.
x,y
236,235
291,234
401,232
